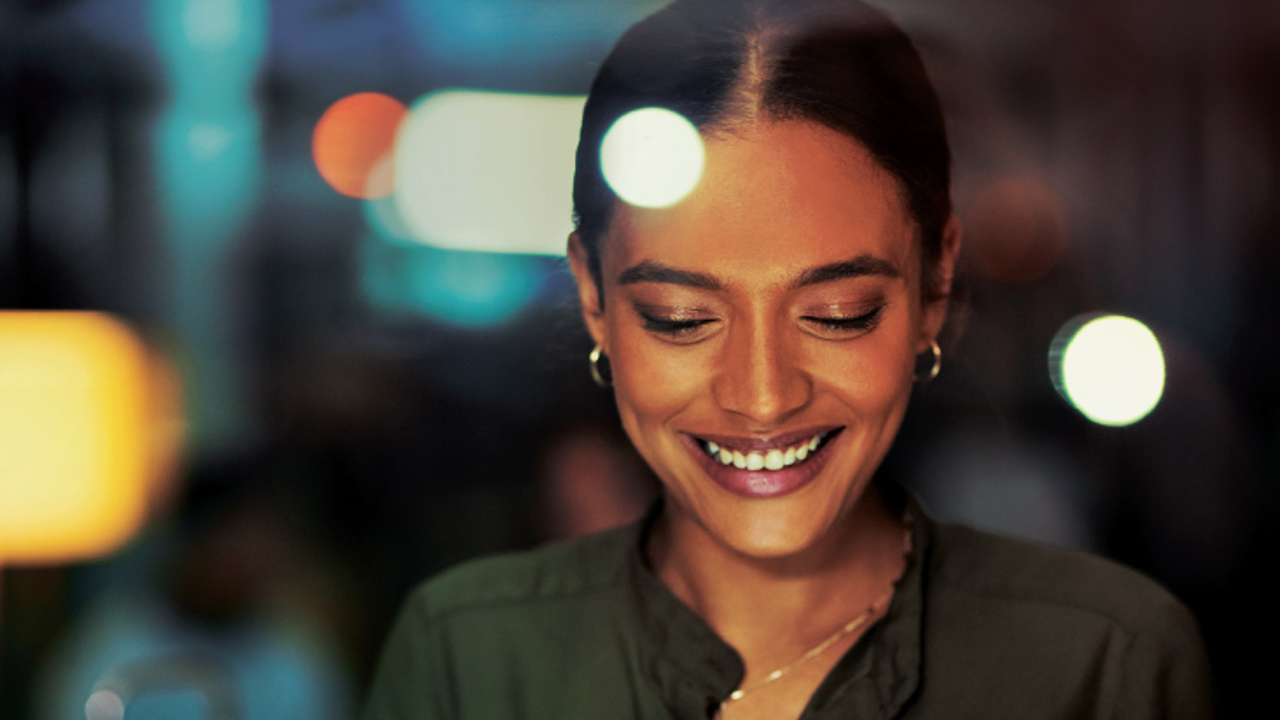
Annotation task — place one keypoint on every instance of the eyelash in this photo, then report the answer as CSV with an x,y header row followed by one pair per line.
x,y
862,323
680,329
673,328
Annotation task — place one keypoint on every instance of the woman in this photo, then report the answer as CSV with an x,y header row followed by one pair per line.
x,y
763,337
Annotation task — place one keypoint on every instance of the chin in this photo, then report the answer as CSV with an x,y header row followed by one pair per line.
x,y
775,533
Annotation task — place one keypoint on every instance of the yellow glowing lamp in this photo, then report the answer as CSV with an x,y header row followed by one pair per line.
x,y
77,451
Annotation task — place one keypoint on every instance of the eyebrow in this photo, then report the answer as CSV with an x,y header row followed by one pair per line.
x,y
860,266
649,271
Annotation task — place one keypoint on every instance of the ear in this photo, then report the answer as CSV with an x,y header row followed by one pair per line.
x,y
589,296
934,314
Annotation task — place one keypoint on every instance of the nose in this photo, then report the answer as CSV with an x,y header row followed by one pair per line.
x,y
759,376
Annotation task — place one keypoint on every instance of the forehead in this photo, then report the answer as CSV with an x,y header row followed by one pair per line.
x,y
775,199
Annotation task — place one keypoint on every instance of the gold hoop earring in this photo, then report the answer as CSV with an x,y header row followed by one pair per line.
x,y
934,368
598,362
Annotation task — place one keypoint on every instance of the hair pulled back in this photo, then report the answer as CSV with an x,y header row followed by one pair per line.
x,y
725,63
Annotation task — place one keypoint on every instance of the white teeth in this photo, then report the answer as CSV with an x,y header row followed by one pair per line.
x,y
775,459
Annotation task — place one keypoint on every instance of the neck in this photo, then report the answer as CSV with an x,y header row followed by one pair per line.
x,y
751,602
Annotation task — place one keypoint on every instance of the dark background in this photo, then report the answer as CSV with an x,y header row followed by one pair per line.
x,y
1111,156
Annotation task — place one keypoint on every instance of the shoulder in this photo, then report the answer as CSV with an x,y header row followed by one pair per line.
x,y
1015,572
517,634
557,572
1057,626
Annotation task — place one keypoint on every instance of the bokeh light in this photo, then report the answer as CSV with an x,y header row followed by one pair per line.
x,y
486,171
212,25
208,141
75,421
212,50
464,289
652,157
353,144
1015,230
383,218
1110,368
209,167
104,705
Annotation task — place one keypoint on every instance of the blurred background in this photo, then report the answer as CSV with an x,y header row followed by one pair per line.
x,y
284,327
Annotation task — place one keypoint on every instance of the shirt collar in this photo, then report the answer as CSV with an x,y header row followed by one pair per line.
x,y
693,670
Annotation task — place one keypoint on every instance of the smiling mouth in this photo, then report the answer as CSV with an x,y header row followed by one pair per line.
x,y
766,460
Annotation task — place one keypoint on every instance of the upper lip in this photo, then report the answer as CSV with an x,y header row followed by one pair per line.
x,y
773,442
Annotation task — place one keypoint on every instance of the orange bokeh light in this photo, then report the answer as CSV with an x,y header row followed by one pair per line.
x,y
353,144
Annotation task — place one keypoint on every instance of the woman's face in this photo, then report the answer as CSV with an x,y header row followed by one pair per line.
x,y
762,334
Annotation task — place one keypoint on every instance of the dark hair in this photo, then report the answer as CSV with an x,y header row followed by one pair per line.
x,y
840,63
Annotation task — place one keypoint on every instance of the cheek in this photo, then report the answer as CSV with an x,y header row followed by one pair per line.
x,y
652,380
872,374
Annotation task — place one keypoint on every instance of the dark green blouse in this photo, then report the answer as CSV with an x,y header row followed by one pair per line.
x,y
980,627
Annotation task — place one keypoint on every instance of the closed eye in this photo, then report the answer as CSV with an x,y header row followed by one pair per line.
x,y
673,327
676,328
842,326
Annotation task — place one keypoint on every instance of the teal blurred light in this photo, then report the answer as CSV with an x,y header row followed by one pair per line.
x,y
213,49
465,289
209,134
209,171
476,290
208,163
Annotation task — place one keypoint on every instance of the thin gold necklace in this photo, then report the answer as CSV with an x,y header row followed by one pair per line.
x,y
842,632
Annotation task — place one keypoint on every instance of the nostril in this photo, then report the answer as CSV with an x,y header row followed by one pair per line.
x,y
764,401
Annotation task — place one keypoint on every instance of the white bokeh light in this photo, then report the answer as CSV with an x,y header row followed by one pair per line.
x,y
486,171
652,157
104,705
1111,369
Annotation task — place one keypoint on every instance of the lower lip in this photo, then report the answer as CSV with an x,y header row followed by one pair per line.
x,y
761,483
